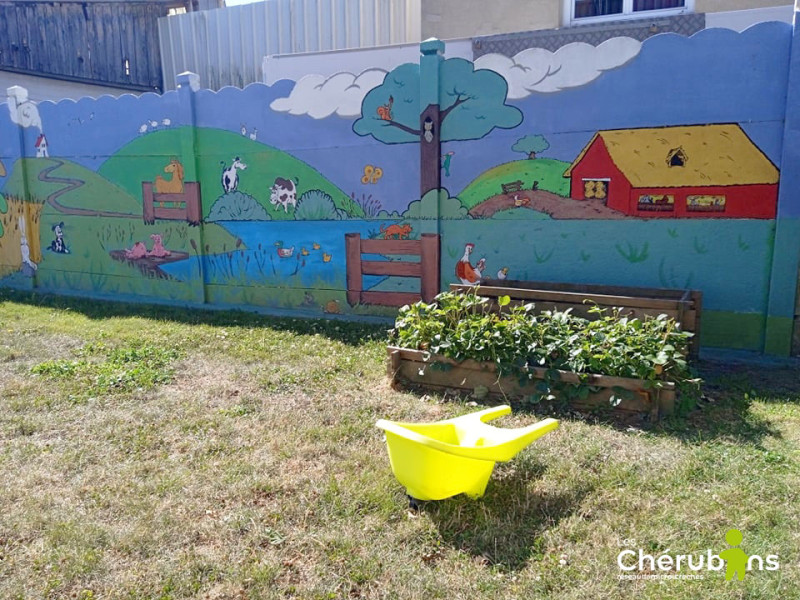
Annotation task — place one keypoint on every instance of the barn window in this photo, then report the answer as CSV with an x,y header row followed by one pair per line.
x,y
656,202
705,203
597,10
595,188
677,157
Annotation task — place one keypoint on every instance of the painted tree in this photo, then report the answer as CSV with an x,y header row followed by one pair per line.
x,y
531,145
471,104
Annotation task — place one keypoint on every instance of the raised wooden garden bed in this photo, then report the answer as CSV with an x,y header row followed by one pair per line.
x,y
420,368
682,305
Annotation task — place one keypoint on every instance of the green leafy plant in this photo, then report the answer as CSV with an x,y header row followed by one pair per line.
x,y
99,371
465,326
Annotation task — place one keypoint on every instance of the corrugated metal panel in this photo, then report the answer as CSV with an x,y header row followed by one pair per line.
x,y
227,46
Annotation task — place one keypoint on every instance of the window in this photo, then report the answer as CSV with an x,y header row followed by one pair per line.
x,y
595,188
677,157
588,10
656,202
705,203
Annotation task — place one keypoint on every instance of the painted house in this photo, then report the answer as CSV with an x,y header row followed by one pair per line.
x,y
41,147
692,171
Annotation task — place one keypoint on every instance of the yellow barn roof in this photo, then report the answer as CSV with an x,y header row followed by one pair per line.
x,y
714,155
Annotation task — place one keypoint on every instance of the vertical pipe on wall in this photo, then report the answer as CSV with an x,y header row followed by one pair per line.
x,y
786,246
188,85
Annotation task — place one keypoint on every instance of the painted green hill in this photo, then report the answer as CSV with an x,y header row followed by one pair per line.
x,y
548,172
145,157
49,176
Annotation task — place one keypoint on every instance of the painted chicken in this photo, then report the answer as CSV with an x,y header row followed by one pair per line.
x,y
502,273
466,273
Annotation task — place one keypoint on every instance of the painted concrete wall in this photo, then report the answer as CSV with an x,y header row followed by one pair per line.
x,y
355,192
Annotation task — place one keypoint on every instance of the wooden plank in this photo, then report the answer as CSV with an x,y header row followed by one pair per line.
x,y
147,202
591,288
392,268
194,202
576,297
169,214
390,247
582,310
389,298
430,259
469,379
566,376
694,325
467,375
353,281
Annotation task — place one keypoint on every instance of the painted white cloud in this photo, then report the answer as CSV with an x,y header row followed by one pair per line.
x,y
319,96
23,111
573,65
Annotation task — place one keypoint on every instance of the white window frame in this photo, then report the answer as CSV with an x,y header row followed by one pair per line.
x,y
627,13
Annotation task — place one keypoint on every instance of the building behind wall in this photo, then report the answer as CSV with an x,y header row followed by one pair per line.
x,y
447,19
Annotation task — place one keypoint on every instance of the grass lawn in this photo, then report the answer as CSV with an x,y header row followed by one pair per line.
x,y
155,453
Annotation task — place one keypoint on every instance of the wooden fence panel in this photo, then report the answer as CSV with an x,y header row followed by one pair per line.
x,y
85,41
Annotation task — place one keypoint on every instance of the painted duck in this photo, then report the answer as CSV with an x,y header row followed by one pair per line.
x,y
315,246
304,251
326,257
465,272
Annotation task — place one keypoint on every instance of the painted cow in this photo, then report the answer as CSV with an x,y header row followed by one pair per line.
x,y
283,193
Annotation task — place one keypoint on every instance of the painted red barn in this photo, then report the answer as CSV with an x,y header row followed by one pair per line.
x,y
687,171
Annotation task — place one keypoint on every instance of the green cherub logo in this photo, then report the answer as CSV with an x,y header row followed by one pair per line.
x,y
735,558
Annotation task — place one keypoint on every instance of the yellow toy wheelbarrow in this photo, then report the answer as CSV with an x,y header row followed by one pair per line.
x,y
445,458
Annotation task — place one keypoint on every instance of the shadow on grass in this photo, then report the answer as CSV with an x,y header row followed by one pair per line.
x,y
344,331
725,410
505,527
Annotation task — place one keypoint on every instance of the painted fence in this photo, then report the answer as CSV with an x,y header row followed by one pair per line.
x,y
426,269
622,164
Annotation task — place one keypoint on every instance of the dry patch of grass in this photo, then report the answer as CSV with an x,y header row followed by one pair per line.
x,y
146,453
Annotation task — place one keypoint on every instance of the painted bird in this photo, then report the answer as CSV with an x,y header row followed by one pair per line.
x,y
465,272
502,273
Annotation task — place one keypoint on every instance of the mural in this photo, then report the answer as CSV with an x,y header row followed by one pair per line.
x,y
323,195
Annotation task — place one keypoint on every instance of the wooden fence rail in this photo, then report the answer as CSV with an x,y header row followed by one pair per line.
x,y
172,207
427,269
